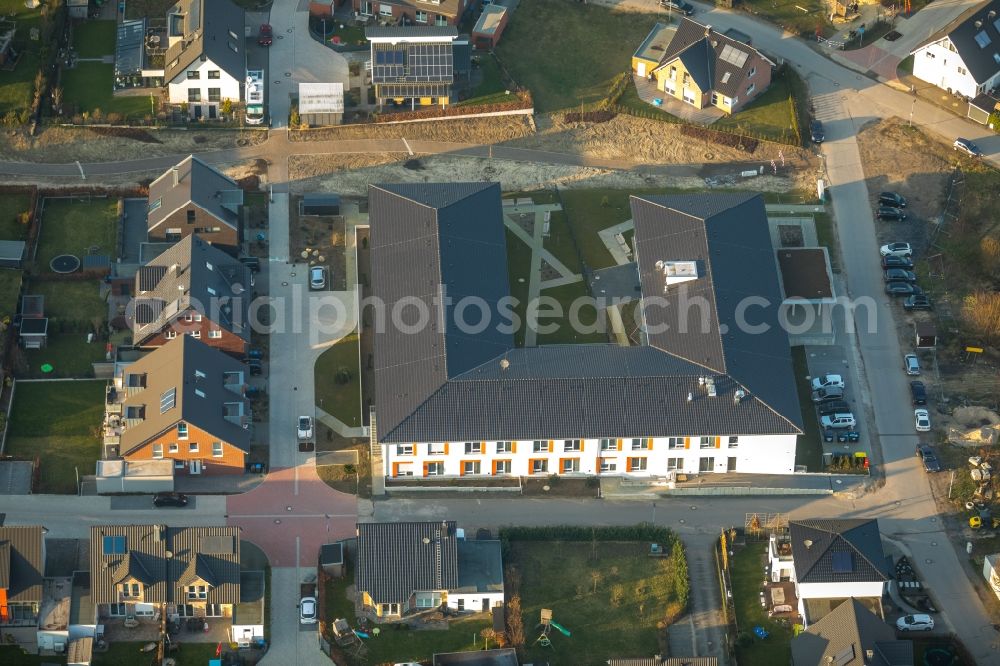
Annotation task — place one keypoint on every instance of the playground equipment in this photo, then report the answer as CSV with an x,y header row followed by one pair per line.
x,y
547,624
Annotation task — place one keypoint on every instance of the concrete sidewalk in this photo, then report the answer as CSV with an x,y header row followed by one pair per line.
x,y
738,485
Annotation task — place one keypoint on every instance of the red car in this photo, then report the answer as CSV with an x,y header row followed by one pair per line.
x,y
266,35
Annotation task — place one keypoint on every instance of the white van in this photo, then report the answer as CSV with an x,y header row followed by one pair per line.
x,y
839,420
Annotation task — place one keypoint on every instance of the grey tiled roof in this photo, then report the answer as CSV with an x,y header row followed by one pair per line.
x,y
445,385
197,183
192,273
199,401
844,636
980,61
396,559
855,543
167,555
21,562
206,30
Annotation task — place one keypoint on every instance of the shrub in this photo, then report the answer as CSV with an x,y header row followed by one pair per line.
x,y
641,532
744,143
981,313
602,116
515,624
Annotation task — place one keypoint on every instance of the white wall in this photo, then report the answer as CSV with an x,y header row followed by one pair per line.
x,y
839,590
773,454
938,65
256,632
229,87
779,568
474,601
48,639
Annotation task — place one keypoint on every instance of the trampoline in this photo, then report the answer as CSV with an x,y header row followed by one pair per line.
x,y
64,263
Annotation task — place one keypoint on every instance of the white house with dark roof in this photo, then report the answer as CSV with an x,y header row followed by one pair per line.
x,y
851,635
453,402
964,56
832,561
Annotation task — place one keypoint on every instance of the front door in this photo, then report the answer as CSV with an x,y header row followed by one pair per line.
x,y
195,467
641,69
706,465
486,605
213,111
731,464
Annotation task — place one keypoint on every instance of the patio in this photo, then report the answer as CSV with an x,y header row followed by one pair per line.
x,y
780,601
148,629
647,92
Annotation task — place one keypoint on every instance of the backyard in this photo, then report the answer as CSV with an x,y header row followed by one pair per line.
x,y
745,570
576,67
575,305
12,205
802,17
614,599
75,226
88,88
338,380
16,87
58,422
772,114
129,654
10,287
72,305
94,39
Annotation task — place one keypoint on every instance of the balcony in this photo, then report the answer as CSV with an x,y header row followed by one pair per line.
x,y
780,548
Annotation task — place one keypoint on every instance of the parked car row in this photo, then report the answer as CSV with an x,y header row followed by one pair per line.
x,y
828,396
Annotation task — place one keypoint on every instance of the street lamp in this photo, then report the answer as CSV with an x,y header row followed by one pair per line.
x,y
912,104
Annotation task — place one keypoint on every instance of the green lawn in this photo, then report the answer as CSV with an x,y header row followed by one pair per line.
x,y
71,226
611,603
58,422
566,53
770,115
590,211
809,449
17,87
128,654
78,302
746,567
491,90
137,9
89,86
789,15
565,332
11,205
93,39
338,381
69,354
13,655
10,287
560,241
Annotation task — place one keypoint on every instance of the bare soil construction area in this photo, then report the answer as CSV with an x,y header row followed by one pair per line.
x,y
469,130
99,144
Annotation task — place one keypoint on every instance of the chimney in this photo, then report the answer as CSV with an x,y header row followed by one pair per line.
x,y
177,175
708,30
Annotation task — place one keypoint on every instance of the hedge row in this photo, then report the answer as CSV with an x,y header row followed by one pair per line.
x,y
522,100
642,532
602,116
745,143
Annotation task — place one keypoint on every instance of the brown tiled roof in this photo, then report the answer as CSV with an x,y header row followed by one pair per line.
x,y
21,562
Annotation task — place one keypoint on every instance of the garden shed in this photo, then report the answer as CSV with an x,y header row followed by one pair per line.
x,y
926,335
331,558
11,253
319,204
321,103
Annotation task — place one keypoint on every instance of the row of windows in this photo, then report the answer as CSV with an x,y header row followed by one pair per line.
x,y
213,334
194,75
214,95
543,466
192,447
569,445
420,16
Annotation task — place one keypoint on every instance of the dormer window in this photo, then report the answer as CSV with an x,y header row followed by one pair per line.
x,y
197,592
130,590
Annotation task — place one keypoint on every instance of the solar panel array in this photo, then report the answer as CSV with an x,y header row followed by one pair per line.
x,y
733,55
413,63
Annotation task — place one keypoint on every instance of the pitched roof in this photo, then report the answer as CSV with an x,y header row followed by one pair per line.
x,y
185,382
396,559
21,562
714,60
977,45
193,181
412,31
441,383
166,554
837,551
191,274
845,635
208,28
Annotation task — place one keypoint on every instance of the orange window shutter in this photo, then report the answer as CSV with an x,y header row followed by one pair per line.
x,y
461,469
446,448
619,443
552,445
513,447
482,447
649,443
718,442
687,442
425,469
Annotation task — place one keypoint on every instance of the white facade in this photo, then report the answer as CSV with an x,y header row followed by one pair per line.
x,y
211,85
991,572
245,634
782,567
640,457
941,65
474,602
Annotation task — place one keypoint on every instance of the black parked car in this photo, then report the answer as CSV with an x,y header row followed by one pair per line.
x,y
899,275
902,289
918,302
918,393
170,499
816,132
897,262
926,453
891,199
890,213
834,407
678,5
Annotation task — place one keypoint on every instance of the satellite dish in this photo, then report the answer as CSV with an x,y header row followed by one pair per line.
x,y
659,265
504,364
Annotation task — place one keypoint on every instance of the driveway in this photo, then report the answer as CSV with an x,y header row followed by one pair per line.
x,y
295,57
291,642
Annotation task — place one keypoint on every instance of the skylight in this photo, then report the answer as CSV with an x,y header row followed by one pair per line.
x,y
168,400
725,77
983,39
114,545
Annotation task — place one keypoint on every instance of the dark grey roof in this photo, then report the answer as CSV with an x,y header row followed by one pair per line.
x,y
201,401
441,384
497,657
192,274
207,28
129,47
621,282
715,61
81,609
396,559
331,553
838,551
480,567
11,250
250,610
164,577
21,562
199,184
983,62
844,636
404,31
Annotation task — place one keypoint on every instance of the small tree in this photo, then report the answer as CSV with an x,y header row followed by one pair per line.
x,y
227,106
595,578
293,117
515,624
57,99
617,595
97,114
488,635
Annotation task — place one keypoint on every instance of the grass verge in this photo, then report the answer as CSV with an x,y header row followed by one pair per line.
x,y
746,578
338,380
72,226
809,450
58,422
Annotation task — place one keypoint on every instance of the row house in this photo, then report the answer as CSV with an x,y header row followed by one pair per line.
x,y
702,393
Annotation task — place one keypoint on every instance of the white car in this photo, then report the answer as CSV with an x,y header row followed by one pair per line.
x,y
896,250
912,364
307,610
915,623
827,381
305,428
922,420
317,278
